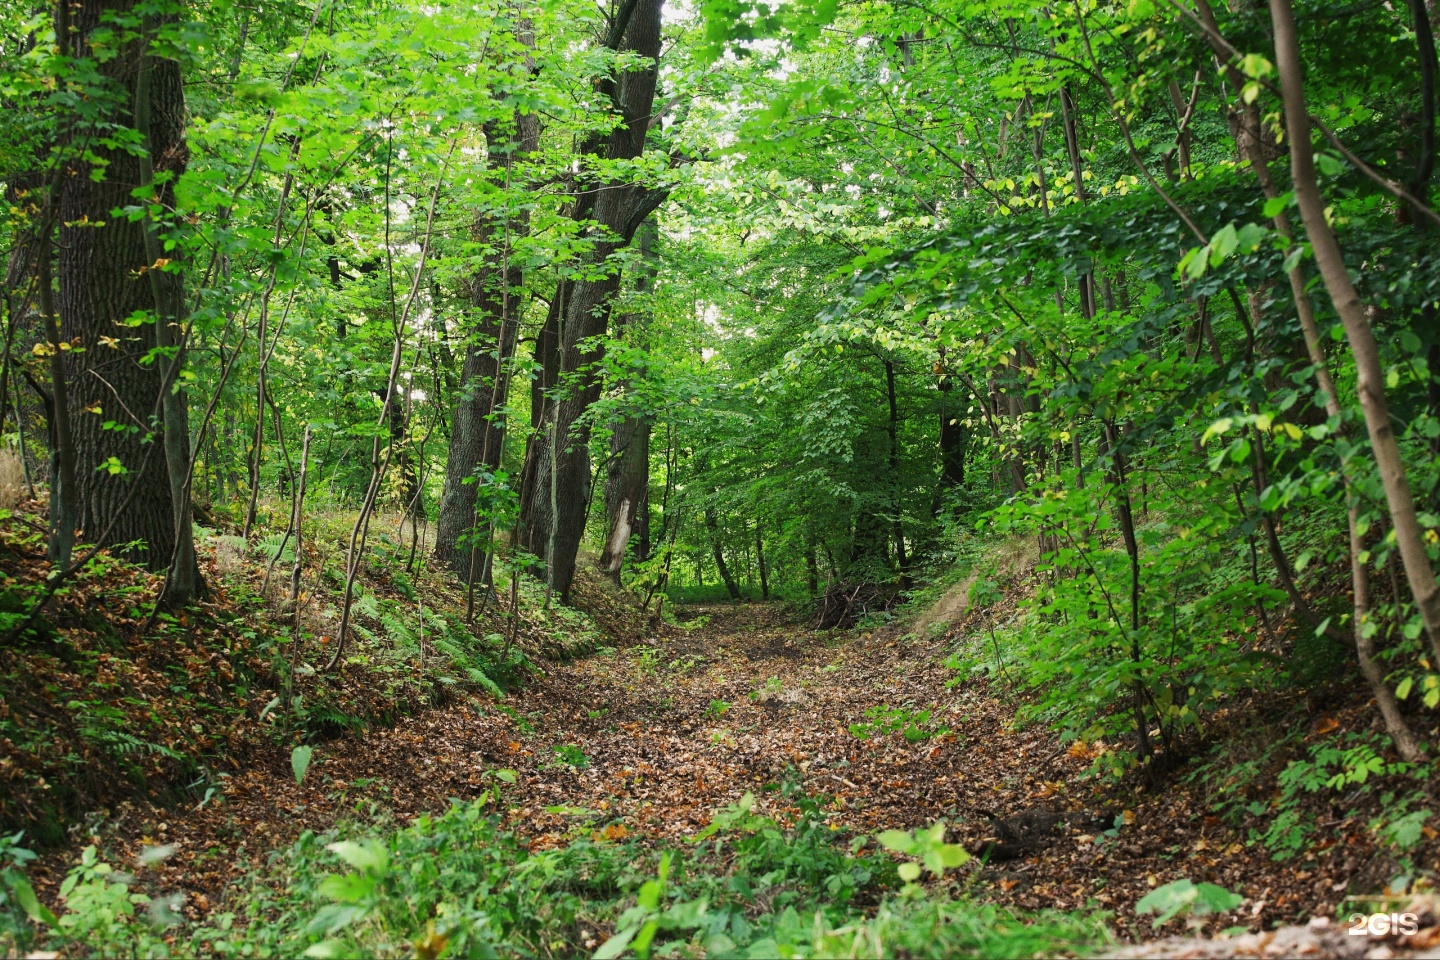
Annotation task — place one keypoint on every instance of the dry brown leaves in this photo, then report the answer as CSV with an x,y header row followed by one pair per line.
x,y
673,729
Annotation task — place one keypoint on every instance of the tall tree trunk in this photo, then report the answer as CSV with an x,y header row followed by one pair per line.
x,y
1370,373
101,283
628,480
183,582
560,489
479,422
625,491
64,494
546,356
1251,143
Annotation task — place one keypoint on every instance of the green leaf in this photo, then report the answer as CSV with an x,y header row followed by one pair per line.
x,y
616,945
642,940
1255,66
300,761
34,909
1405,832
1330,164
1193,264
369,855
1210,898
896,840
1275,205
349,888
1250,237
1167,901
1215,429
1223,244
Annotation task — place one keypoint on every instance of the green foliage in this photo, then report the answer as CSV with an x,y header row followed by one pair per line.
x,y
571,755
1404,832
300,761
18,903
883,721
1346,764
458,885
1186,897
927,848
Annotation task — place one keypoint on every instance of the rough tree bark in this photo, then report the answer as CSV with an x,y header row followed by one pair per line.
x,y
101,282
559,483
479,424
627,484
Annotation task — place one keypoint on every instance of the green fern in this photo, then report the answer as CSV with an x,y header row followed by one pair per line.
x,y
464,662
123,744
397,630
366,605
266,546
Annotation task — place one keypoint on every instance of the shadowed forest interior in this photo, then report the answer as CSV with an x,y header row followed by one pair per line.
x,y
719,478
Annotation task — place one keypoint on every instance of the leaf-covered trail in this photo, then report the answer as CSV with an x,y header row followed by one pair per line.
x,y
648,741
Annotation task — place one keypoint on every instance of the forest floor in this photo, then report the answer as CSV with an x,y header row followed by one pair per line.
x,y
645,742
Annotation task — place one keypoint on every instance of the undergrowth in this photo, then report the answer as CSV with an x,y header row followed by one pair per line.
x,y
457,885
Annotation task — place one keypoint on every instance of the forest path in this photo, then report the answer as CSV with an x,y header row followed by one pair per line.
x,y
645,741
648,741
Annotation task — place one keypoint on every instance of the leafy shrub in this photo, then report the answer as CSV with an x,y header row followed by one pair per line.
x,y
1334,766
1087,650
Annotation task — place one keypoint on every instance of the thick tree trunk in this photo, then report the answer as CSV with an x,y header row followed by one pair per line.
x,y
558,490
1370,373
183,582
478,428
625,491
628,481
102,283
